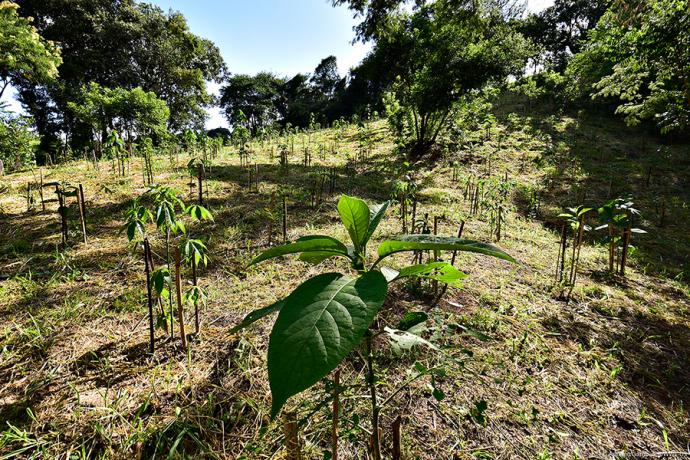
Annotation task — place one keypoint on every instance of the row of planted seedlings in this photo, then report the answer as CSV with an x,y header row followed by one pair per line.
x,y
617,220
160,206
488,197
405,193
337,316
63,192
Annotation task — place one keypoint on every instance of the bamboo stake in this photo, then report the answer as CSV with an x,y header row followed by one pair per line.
x,y
40,190
626,244
200,180
147,255
336,411
82,218
560,262
196,306
284,220
178,289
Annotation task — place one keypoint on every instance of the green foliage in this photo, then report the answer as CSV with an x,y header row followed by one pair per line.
x,y
119,45
320,323
327,316
435,243
132,111
17,141
136,218
639,57
24,54
312,246
194,251
256,97
561,29
439,271
437,54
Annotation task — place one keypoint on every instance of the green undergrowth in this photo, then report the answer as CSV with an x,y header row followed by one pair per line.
x,y
526,375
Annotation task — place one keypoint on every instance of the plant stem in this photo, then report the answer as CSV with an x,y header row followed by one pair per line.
x,y
371,381
170,302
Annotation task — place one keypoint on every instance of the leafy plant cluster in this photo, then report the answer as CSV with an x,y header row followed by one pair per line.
x,y
324,319
166,214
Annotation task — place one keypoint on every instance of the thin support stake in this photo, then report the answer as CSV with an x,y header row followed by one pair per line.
x,y
147,255
284,220
178,289
396,455
336,411
82,217
291,437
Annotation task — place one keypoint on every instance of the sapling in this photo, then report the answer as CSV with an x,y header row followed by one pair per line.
x,y
617,216
189,140
197,170
147,158
325,318
575,219
115,146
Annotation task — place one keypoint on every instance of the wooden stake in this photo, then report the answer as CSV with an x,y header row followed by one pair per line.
x,y
284,220
560,262
83,201
62,210
196,306
291,437
626,244
82,218
147,256
396,439
336,411
178,289
403,213
40,190
200,181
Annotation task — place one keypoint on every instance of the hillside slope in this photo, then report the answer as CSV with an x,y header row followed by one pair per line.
x,y
535,377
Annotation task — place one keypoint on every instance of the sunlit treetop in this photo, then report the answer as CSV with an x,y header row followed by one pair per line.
x,y
23,53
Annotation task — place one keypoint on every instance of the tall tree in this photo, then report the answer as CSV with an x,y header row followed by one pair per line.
x,y
23,53
562,28
256,97
638,56
132,112
440,53
119,43
326,77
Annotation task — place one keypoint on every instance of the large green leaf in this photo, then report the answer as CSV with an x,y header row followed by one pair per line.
x,y
320,323
439,271
315,244
376,214
438,243
256,315
356,216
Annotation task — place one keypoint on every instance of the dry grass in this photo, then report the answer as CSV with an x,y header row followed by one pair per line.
x,y
604,375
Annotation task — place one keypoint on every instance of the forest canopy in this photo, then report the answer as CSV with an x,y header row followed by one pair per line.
x,y
430,62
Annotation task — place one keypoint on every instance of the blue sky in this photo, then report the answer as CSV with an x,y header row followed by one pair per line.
x,y
282,36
